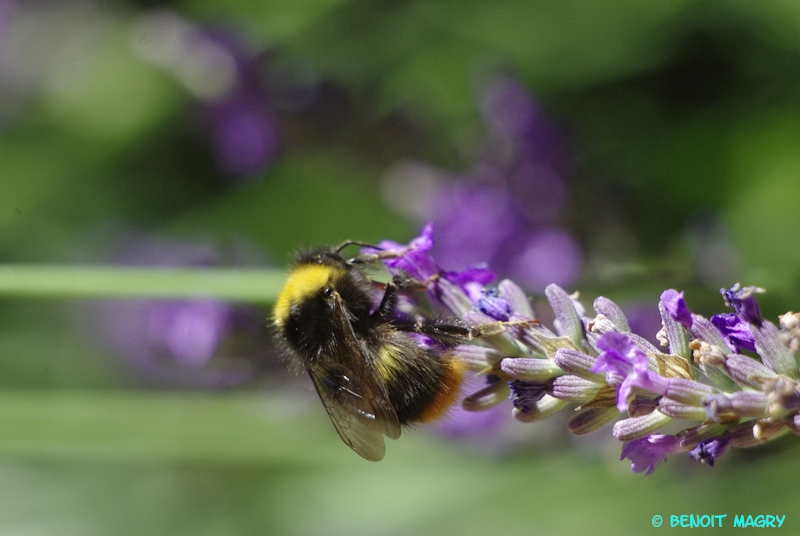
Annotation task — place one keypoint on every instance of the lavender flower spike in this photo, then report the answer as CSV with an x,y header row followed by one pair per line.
x,y
706,376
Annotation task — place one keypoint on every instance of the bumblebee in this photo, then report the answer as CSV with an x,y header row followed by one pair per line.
x,y
365,358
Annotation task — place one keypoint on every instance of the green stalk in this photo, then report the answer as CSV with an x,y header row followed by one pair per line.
x,y
81,282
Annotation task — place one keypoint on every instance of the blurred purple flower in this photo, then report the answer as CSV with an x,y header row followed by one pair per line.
x,y
537,191
234,93
175,343
481,428
472,221
189,331
548,256
6,12
643,319
241,120
509,111
505,212
460,423
506,107
243,133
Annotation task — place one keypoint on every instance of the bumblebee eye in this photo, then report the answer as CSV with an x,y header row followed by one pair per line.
x,y
327,291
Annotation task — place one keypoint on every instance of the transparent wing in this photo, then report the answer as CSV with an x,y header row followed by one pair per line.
x,y
353,393
351,410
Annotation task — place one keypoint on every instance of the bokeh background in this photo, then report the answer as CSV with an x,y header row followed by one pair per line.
x,y
615,147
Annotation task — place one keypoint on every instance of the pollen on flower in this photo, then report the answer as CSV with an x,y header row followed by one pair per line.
x,y
790,330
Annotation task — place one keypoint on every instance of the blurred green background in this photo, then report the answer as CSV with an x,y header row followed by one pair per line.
x,y
683,126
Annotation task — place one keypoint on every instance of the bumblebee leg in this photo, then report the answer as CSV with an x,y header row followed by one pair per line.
x,y
489,329
436,328
389,300
450,329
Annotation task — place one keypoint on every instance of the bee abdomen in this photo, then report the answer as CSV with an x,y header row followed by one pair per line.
x,y
421,384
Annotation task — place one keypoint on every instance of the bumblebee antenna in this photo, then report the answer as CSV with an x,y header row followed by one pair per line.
x,y
365,258
348,243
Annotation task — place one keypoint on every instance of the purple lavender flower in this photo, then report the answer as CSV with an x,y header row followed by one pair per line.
x,y
472,280
412,260
455,290
647,452
493,306
736,332
621,356
743,301
525,395
618,355
710,450
676,306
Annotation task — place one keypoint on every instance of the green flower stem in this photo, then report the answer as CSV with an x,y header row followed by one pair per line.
x,y
226,284
97,425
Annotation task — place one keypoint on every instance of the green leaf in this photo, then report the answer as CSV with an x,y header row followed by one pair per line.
x,y
572,42
763,213
307,198
271,21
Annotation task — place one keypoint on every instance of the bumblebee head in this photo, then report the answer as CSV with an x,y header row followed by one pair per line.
x,y
321,292
313,277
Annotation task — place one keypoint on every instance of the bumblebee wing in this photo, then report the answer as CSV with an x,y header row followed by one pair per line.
x,y
352,391
351,406
350,354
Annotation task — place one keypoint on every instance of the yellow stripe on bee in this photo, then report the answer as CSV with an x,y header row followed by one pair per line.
x,y
387,362
302,282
